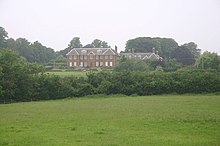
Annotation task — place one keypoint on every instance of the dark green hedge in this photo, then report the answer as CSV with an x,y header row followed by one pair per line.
x,y
45,87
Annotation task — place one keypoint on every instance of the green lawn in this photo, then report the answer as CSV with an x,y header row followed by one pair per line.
x,y
64,73
136,121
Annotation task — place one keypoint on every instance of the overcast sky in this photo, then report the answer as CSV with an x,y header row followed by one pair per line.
x,y
55,22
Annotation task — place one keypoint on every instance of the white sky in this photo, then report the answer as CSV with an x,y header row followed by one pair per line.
x,y
55,22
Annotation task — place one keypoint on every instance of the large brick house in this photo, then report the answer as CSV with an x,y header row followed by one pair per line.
x,y
92,57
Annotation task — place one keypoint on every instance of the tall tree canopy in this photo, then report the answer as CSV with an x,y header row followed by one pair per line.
x,y
208,60
31,52
183,55
42,54
145,44
3,36
193,47
75,43
100,44
97,44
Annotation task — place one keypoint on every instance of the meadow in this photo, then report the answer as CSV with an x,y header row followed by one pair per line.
x,y
69,73
170,120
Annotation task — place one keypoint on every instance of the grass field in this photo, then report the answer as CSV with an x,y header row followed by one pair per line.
x,y
64,73
137,121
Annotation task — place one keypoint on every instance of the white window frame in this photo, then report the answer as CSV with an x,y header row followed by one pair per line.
x,y
81,64
83,51
106,63
71,64
110,63
74,64
97,63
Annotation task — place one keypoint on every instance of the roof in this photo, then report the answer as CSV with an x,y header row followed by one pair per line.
x,y
94,51
141,55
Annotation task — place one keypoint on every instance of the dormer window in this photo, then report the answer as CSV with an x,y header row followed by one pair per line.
x,y
83,51
99,51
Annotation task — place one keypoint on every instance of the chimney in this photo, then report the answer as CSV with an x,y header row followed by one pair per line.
x,y
116,49
132,50
153,50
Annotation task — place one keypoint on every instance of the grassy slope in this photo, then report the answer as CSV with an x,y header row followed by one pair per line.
x,y
154,120
64,74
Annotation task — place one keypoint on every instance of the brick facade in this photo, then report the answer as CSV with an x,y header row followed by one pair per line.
x,y
92,57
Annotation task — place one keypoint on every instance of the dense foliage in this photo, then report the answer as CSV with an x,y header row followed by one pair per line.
x,y
209,60
145,44
183,55
32,52
22,81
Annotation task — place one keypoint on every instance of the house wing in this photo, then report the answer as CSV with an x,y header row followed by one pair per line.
x,y
146,55
154,56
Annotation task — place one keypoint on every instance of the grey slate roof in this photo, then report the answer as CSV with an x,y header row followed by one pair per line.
x,y
95,51
141,56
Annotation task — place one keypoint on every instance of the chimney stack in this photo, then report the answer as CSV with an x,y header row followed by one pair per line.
x,y
116,49
153,50
132,50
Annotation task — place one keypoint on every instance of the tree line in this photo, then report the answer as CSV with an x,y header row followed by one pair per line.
x,y
31,52
175,56
23,81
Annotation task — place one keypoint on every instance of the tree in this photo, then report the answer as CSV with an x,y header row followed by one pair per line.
x,y
9,63
171,65
75,43
22,47
17,77
41,54
3,36
208,60
88,46
99,44
1,75
167,45
183,55
132,65
105,45
193,49
11,43
141,44
145,44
